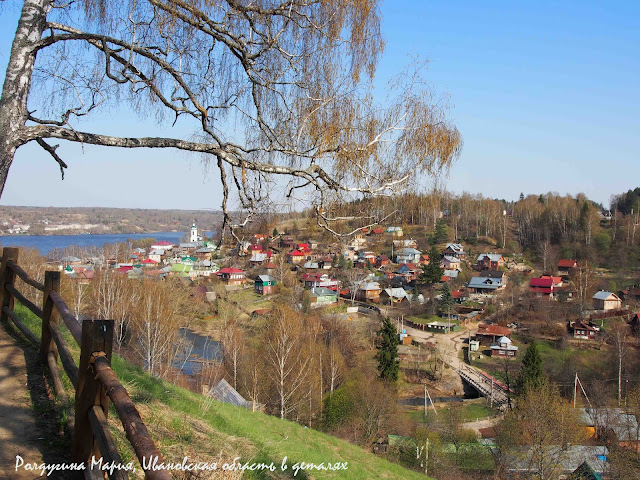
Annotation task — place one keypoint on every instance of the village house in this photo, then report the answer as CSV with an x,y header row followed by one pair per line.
x,y
393,295
606,301
450,263
565,266
408,272
459,296
148,263
583,331
258,257
488,335
407,243
377,231
287,242
369,292
264,284
454,250
485,284
366,257
541,287
203,268
495,274
316,280
232,276
162,245
357,242
504,348
632,293
491,261
204,253
449,275
156,255
321,296
613,424
424,259
395,231
295,257
382,260
408,255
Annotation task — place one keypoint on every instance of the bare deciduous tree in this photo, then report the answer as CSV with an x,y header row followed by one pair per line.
x,y
270,88
286,362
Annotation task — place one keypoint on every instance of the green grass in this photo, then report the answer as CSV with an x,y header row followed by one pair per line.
x,y
184,423
554,359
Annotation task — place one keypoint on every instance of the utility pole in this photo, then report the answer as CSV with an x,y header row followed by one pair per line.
x,y
425,400
575,390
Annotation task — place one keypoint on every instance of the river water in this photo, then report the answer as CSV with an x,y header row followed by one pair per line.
x,y
46,243
199,349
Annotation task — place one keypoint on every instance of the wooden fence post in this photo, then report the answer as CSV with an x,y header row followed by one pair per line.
x,y
49,314
97,338
8,276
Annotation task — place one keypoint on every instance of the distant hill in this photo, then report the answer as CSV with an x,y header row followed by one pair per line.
x,y
59,220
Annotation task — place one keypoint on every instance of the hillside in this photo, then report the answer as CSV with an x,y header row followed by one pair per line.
x,y
187,424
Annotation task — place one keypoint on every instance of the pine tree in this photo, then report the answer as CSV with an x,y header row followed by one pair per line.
x,y
432,272
446,299
441,234
531,376
387,356
521,196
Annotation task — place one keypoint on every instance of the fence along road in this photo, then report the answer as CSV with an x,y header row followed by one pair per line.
x,y
95,382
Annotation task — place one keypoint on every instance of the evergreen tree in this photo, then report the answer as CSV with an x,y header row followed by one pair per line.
x,y
531,376
521,196
432,273
274,233
446,299
441,234
387,356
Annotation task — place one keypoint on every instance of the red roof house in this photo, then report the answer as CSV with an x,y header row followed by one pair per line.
x,y
541,286
231,276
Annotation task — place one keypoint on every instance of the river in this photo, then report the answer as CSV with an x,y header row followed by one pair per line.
x,y
46,243
199,349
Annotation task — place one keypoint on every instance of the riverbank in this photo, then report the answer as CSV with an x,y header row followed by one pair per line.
x,y
46,243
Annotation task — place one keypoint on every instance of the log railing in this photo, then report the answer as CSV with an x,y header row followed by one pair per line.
x,y
94,381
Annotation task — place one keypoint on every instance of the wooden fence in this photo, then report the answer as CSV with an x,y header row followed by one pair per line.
x,y
94,381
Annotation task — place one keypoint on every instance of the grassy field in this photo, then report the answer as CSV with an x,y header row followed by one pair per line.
x,y
555,358
187,424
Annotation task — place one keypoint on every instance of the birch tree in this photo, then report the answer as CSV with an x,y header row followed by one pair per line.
x,y
286,363
269,88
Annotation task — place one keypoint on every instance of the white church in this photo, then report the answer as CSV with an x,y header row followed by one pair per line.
x,y
194,238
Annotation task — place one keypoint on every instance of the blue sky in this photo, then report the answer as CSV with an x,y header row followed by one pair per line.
x,y
545,94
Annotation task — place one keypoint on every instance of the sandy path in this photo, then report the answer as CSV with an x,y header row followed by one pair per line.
x,y
18,432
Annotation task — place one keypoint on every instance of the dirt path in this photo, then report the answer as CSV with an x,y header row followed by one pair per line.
x,y
20,433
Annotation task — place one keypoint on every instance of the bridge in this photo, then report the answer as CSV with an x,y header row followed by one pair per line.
x,y
487,386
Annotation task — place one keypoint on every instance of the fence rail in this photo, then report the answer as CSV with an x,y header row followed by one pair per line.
x,y
94,381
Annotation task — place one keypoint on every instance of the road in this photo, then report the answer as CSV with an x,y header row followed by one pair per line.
x,y
450,345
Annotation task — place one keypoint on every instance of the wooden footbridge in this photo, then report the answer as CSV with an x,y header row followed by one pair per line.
x,y
486,385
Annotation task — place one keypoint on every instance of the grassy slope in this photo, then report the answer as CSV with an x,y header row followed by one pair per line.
x,y
184,423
